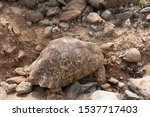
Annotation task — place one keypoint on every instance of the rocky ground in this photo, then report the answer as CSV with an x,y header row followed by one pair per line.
x,y
121,28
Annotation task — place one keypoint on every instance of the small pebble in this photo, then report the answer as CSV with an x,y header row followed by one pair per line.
x,y
121,85
113,80
48,32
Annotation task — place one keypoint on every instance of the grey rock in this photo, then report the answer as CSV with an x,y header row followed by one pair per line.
x,y
24,88
106,15
124,16
53,3
140,86
34,16
105,95
132,55
8,87
29,3
131,96
48,32
73,91
52,11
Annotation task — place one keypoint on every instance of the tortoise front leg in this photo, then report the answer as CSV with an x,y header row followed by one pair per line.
x,y
100,75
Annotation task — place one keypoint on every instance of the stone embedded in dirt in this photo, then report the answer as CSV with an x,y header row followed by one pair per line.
x,y
145,24
73,91
145,10
106,15
124,16
147,69
39,48
56,29
107,46
105,95
3,94
51,69
53,3
148,18
1,5
34,16
48,32
113,80
132,55
44,22
94,18
16,10
121,85
69,15
52,11
21,54
105,86
109,29
127,23
20,71
64,26
16,80
8,87
74,9
140,86
131,96
29,3
24,88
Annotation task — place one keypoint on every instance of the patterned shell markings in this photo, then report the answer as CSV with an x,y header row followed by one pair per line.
x,y
64,61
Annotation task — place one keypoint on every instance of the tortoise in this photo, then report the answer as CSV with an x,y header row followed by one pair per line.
x,y
66,60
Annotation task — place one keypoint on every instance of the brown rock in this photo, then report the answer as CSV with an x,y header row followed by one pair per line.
x,y
69,15
73,9
16,80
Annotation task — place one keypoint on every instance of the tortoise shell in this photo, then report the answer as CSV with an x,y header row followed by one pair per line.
x,y
64,61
